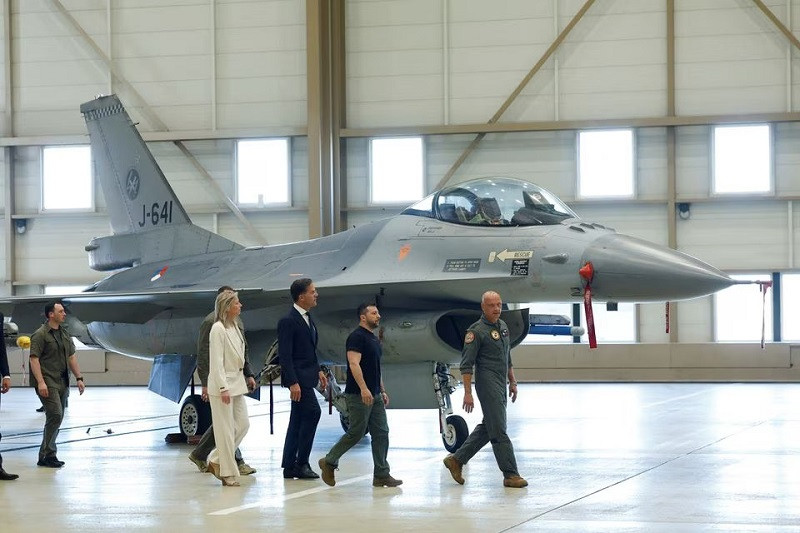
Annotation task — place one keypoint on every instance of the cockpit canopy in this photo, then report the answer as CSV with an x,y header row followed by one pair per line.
x,y
493,202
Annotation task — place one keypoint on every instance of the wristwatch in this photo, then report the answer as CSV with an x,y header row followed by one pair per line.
x,y
79,378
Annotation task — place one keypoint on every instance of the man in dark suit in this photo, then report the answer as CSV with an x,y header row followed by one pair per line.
x,y
6,375
300,373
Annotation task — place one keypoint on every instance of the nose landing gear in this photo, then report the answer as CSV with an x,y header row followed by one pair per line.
x,y
453,428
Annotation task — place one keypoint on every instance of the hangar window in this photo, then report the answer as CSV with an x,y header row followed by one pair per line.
x,y
67,178
262,172
63,289
790,307
423,208
605,163
742,161
612,326
396,170
737,311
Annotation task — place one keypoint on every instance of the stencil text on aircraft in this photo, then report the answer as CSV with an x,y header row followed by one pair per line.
x,y
157,213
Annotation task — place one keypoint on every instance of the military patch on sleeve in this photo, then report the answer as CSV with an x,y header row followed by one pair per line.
x,y
495,335
469,337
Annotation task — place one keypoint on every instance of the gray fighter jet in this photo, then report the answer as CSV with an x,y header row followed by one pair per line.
x,y
426,268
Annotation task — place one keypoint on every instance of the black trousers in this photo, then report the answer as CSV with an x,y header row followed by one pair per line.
x,y
303,421
1,436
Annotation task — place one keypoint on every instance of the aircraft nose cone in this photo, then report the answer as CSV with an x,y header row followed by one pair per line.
x,y
631,269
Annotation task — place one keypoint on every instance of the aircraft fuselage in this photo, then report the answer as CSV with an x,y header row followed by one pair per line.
x,y
420,270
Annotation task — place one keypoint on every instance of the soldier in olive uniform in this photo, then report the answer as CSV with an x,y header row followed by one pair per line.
x,y
487,352
52,357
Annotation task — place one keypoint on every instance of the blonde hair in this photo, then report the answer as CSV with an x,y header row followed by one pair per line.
x,y
222,305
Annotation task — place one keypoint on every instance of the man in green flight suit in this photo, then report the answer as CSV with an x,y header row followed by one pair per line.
x,y
487,353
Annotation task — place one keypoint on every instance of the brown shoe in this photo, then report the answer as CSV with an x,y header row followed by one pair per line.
x,y
327,470
245,469
213,468
199,463
454,467
515,482
229,481
387,481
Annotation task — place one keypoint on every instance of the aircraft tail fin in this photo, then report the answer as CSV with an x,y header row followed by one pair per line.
x,y
138,195
147,219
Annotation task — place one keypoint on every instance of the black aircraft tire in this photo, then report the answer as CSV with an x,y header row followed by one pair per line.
x,y
455,433
194,417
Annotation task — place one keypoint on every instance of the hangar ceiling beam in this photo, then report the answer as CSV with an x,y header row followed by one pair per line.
x,y
672,185
10,224
454,129
778,24
9,153
153,118
561,125
672,229
8,72
549,52
161,136
339,114
325,110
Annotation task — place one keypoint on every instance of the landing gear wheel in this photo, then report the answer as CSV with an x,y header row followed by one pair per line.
x,y
454,433
194,417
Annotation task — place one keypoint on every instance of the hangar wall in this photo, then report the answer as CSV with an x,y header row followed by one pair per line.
x,y
213,70
729,59
778,362
244,59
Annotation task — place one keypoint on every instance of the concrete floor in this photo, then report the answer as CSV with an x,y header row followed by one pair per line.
x,y
599,457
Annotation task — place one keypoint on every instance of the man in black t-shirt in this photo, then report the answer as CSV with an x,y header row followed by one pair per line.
x,y
366,401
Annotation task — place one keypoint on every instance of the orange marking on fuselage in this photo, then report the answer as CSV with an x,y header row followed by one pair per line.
x,y
404,251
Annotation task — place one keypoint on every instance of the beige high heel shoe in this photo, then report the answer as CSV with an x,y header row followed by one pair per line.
x,y
229,481
213,468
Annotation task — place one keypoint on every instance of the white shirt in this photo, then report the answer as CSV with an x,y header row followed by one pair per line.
x,y
303,313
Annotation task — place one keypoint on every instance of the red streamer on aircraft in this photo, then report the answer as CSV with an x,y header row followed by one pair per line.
x,y
666,312
587,273
587,307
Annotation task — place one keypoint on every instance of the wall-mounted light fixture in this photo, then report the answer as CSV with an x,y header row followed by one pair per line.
x,y
21,224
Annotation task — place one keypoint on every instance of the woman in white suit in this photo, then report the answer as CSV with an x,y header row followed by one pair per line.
x,y
226,388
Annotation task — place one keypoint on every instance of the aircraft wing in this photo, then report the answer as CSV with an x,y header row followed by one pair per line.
x,y
130,307
139,307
